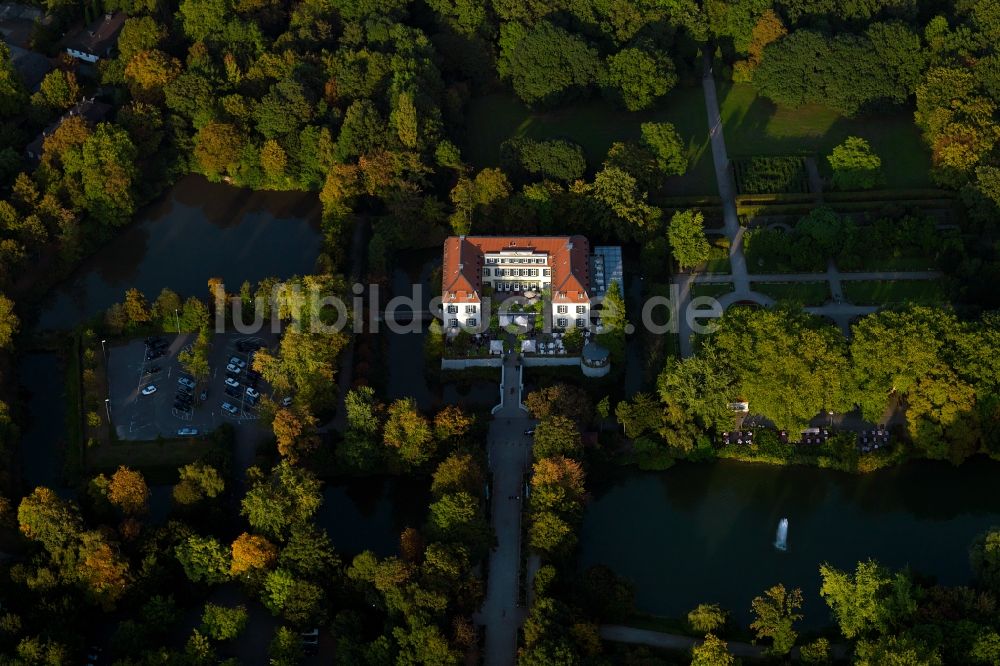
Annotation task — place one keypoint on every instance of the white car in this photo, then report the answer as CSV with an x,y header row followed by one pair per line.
x,y
184,381
226,407
235,360
187,432
235,369
149,390
232,382
286,401
252,392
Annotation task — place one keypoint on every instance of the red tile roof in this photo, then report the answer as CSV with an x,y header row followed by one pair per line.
x,y
463,262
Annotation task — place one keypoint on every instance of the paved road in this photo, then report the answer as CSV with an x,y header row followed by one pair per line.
x,y
831,273
510,456
620,634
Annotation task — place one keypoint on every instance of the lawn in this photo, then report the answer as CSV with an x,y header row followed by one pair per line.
x,y
756,126
159,459
892,292
593,124
718,257
804,293
711,289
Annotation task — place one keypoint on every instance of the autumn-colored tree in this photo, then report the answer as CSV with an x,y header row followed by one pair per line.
x,y
128,491
295,430
450,422
560,399
273,159
456,473
102,571
252,552
197,481
59,90
136,307
50,520
217,147
404,119
71,134
148,72
411,545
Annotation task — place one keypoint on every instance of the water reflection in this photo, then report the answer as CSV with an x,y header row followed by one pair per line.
x,y
705,532
197,231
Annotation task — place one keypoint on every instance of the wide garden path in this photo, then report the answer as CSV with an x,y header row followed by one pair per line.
x,y
679,642
838,310
510,456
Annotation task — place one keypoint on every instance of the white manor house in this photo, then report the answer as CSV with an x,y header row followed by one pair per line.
x,y
561,267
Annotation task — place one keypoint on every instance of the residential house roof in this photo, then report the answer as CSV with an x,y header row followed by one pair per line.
x,y
98,37
89,109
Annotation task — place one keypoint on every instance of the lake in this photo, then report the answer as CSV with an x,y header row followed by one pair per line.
x,y
196,231
369,513
705,532
43,380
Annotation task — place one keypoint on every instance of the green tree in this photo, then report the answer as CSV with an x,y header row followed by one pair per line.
x,y
816,652
288,495
12,93
204,559
706,618
871,600
713,651
664,142
223,623
984,556
9,323
688,243
108,171
285,648
197,482
855,166
545,62
44,517
556,435
775,615
639,78
59,90
139,33
408,433
457,472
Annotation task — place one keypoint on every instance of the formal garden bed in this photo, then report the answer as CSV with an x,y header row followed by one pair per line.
x,y
803,293
894,292
762,174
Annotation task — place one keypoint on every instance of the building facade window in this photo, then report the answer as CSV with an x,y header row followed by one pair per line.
x,y
486,272
470,309
453,322
580,309
562,309
581,322
471,321
452,309
561,322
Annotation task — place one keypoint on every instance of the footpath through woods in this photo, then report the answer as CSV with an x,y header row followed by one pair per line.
x,y
510,458
841,312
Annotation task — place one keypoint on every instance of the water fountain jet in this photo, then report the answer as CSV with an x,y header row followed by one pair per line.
x,y
781,538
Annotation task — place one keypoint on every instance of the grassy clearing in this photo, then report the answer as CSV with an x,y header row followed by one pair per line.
x,y
593,124
804,293
711,289
157,459
756,126
893,292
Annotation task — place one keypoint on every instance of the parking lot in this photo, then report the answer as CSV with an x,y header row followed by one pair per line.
x,y
149,398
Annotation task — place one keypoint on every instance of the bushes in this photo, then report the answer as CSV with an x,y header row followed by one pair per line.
x,y
758,175
557,159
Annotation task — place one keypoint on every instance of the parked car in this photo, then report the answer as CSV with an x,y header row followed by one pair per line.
x,y
203,396
237,361
226,407
149,390
181,407
151,370
310,641
232,382
286,401
233,369
186,382
187,432
253,393
529,431
232,392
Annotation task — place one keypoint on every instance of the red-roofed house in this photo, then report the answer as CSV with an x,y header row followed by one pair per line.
x,y
512,265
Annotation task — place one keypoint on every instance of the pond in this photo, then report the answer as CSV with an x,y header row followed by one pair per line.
x,y
405,372
196,231
42,380
705,532
370,513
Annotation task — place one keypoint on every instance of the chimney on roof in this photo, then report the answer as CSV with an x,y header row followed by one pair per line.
x,y
569,245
